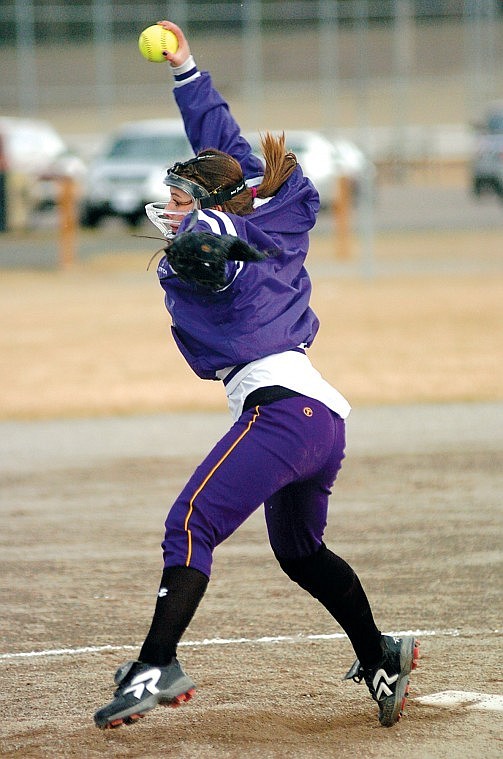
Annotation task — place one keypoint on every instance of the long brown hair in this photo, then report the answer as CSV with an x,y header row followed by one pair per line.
x,y
225,171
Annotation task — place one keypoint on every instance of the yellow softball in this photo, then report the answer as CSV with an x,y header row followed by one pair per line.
x,y
153,40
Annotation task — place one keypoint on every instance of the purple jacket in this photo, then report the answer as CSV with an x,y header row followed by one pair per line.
x,y
265,307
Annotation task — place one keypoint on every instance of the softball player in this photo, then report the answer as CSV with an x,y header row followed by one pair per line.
x,y
238,296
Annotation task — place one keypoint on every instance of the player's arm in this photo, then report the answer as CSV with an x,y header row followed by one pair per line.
x,y
206,115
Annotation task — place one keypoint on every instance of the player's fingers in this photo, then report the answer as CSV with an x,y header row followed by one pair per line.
x,y
183,51
175,29
170,57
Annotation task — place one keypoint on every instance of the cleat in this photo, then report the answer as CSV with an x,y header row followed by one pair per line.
x,y
182,698
133,718
388,679
141,687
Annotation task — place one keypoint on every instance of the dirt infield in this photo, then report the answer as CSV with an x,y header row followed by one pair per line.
x,y
416,510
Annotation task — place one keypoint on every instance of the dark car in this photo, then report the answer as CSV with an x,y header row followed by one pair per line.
x,y
487,163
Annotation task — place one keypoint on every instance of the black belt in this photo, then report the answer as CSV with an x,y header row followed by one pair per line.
x,y
264,395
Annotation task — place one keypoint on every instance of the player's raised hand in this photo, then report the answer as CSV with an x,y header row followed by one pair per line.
x,y
183,52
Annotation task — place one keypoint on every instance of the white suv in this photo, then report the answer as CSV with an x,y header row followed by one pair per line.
x,y
130,171
36,153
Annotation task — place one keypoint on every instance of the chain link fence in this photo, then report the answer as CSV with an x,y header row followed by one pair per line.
x,y
404,79
398,76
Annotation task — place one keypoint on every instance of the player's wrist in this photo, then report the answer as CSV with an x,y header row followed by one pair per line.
x,y
186,72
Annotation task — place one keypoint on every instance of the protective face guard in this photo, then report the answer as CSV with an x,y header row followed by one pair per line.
x,y
205,199
169,221
166,221
191,188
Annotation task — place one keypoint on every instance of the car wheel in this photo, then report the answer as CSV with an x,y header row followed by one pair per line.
x,y
90,217
134,219
477,187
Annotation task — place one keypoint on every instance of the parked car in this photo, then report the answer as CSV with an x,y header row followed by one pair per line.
x,y
352,163
323,160
36,153
487,162
129,173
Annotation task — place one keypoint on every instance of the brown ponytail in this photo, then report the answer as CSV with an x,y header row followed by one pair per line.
x,y
225,171
279,164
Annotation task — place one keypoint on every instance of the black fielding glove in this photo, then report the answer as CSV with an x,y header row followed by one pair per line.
x,y
200,257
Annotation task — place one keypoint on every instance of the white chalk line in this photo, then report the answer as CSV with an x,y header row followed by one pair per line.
x,y
218,642
444,699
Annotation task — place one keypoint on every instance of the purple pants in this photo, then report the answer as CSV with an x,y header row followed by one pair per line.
x,y
285,455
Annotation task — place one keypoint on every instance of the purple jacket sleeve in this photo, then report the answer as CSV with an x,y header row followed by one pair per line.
x,y
210,124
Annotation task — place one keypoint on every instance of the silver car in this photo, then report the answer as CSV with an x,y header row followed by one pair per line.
x,y
487,163
324,161
129,172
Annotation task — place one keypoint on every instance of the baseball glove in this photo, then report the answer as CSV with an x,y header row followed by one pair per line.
x,y
201,257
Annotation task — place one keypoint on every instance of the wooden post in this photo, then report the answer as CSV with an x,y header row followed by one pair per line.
x,y
67,221
342,211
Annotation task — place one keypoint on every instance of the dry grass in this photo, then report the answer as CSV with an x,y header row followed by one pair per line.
x,y
95,340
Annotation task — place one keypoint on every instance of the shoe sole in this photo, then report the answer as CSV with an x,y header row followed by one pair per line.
x,y
391,713
149,704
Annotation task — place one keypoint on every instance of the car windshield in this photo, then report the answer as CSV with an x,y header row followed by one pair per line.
x,y
155,147
298,149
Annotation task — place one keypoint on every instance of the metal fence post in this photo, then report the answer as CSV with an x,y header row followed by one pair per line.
x,y
3,187
25,57
402,58
103,40
252,56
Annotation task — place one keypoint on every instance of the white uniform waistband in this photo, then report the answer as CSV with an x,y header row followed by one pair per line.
x,y
291,369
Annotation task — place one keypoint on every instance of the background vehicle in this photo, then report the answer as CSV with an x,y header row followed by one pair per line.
x,y
35,153
323,161
487,163
130,171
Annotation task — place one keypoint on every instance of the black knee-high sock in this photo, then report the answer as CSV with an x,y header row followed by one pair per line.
x,y
334,583
180,593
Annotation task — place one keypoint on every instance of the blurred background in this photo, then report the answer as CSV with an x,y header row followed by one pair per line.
x,y
379,98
